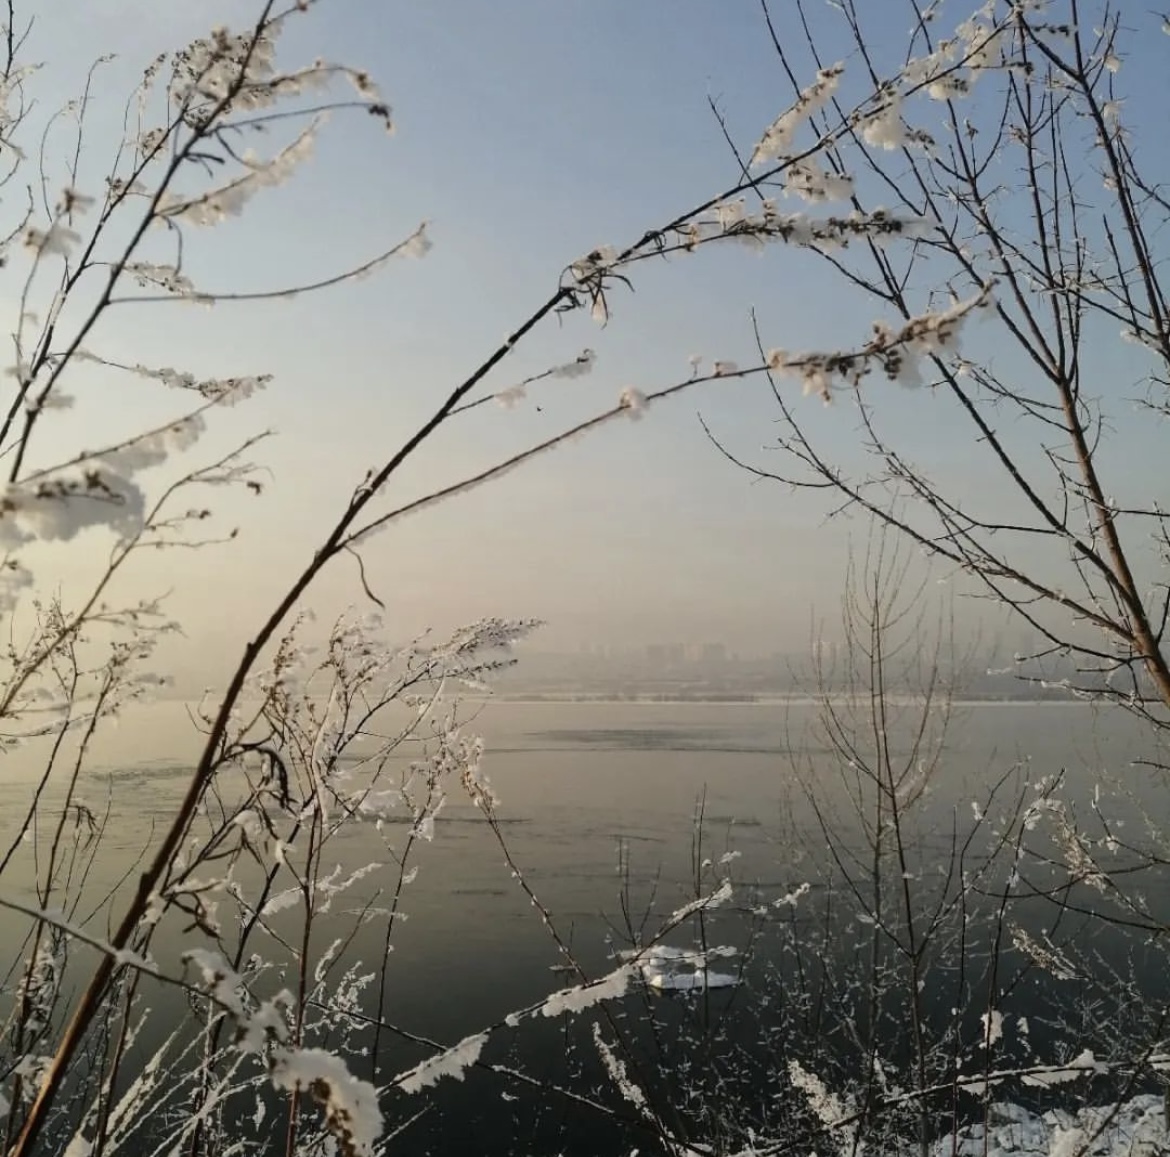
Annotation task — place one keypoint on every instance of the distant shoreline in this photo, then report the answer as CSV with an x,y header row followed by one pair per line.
x,y
748,700
727,699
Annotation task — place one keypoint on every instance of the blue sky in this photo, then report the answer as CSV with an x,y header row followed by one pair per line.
x,y
529,132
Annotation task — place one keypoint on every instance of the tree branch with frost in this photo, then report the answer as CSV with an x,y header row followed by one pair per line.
x,y
349,1105
209,82
79,710
314,743
959,544
1051,273
34,394
892,351
82,936
310,748
994,570
518,1076
358,667
60,240
48,952
222,391
895,352
580,366
943,75
414,245
231,469
453,1062
731,221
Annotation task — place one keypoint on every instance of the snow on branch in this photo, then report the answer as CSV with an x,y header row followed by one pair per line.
x,y
349,1104
222,391
228,200
715,899
57,920
581,365
236,73
453,1062
896,352
583,996
730,220
96,488
778,137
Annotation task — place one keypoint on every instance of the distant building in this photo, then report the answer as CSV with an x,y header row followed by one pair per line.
x,y
666,654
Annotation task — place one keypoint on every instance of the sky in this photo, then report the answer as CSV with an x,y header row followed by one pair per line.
x,y
528,132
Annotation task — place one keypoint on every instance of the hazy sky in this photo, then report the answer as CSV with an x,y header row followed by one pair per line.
x,y
529,131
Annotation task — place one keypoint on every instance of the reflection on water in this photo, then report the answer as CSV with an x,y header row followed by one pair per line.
x,y
598,809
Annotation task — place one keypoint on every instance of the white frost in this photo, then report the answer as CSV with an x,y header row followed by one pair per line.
x,y
453,1063
350,1105
617,1071
884,128
634,401
609,987
56,239
1082,1065
777,138
992,1027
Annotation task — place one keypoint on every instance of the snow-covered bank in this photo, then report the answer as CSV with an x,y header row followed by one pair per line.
x,y
1136,1127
